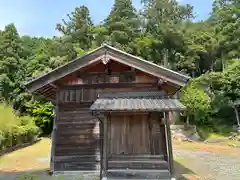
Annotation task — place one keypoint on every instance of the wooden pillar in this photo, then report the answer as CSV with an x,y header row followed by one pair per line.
x,y
105,147
237,116
169,142
150,134
101,146
53,135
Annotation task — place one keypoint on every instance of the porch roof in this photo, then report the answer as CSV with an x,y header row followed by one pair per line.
x,y
137,102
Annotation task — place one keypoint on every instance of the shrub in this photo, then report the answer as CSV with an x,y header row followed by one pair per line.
x,y
197,102
15,130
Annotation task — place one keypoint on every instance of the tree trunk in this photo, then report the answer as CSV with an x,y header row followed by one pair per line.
x,y
165,58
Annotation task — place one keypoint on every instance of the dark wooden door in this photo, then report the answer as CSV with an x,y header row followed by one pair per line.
x,y
129,134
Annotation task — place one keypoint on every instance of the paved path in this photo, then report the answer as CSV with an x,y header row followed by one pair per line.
x,y
210,166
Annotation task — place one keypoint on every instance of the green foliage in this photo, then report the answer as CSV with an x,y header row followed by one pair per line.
x,y
197,101
162,32
216,131
15,130
209,98
78,27
122,25
42,113
225,16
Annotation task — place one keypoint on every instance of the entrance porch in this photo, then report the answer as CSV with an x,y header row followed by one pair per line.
x,y
136,135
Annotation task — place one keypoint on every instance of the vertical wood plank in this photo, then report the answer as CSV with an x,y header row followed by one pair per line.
x,y
169,142
71,96
61,97
105,146
81,95
150,134
77,96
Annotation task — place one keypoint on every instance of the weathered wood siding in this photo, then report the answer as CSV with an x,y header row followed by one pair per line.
x,y
78,134
95,74
129,134
77,139
136,134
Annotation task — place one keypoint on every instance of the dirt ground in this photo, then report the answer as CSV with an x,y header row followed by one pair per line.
x,y
208,161
193,161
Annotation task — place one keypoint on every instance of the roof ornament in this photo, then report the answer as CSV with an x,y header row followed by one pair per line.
x,y
105,59
161,81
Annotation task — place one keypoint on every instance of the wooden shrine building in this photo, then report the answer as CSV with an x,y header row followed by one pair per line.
x,y
112,115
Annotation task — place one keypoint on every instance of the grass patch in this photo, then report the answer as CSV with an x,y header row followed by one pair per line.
x,y
210,133
28,158
231,142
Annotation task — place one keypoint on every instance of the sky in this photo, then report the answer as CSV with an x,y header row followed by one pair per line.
x,y
39,17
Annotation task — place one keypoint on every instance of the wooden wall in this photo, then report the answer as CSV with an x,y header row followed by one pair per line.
x,y
77,139
78,135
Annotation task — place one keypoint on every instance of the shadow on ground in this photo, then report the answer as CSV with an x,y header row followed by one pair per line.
x,y
44,175
182,173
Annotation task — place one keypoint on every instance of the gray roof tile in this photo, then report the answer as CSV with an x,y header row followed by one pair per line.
x,y
136,101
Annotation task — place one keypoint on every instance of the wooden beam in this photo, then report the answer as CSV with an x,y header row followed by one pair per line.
x,y
137,111
109,85
48,98
101,126
54,131
145,66
53,85
169,143
65,70
105,147
150,132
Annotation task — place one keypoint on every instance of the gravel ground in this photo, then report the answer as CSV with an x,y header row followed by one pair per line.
x,y
210,166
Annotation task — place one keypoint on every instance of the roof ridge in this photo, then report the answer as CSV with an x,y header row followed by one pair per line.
x,y
141,59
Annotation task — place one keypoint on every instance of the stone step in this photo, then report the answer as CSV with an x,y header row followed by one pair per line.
x,y
138,164
137,179
78,158
138,174
77,166
136,157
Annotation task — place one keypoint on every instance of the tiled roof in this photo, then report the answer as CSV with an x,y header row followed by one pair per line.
x,y
124,102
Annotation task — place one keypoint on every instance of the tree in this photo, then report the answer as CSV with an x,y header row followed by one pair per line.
x,y
122,25
200,49
226,19
162,20
197,101
11,64
78,27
